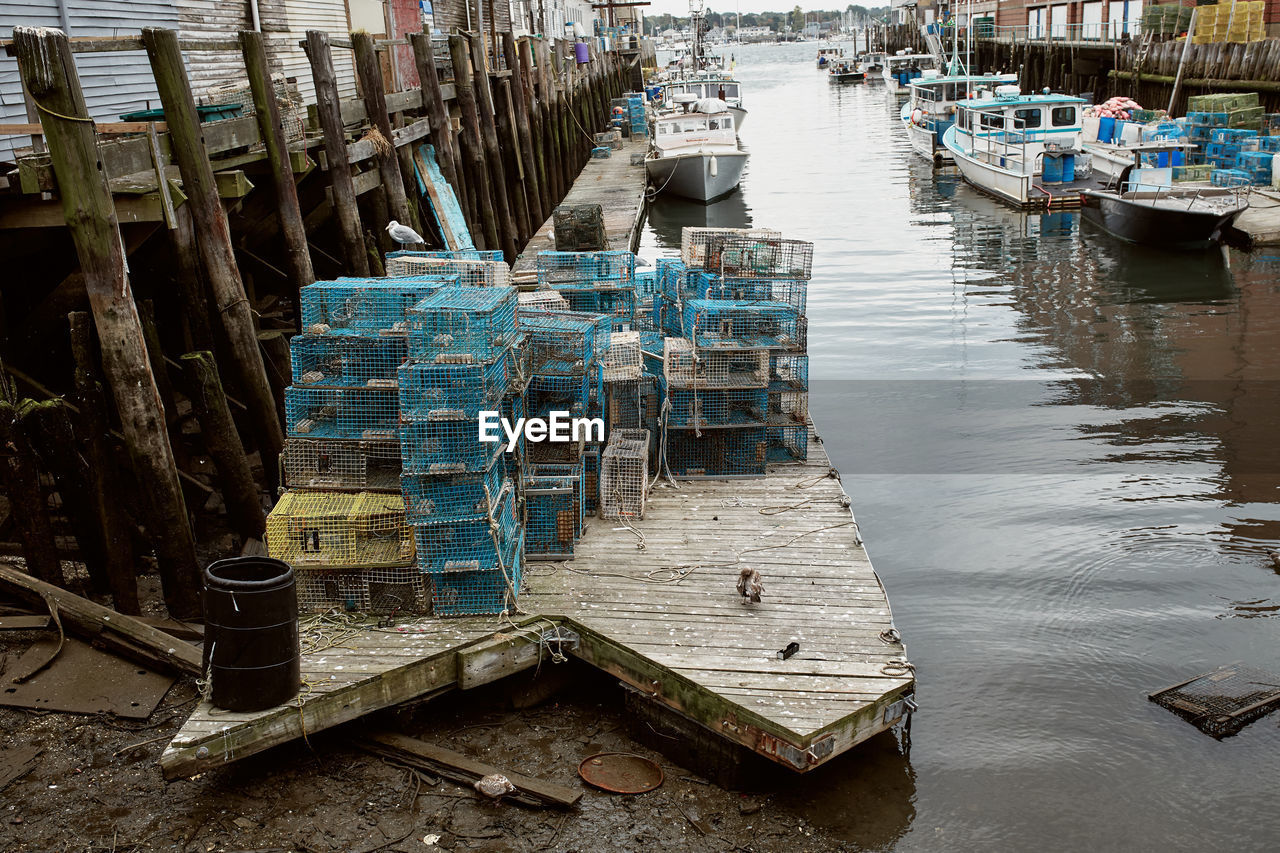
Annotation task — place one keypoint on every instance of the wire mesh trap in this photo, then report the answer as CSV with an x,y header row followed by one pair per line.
x,y
475,593
436,392
555,268
347,361
684,367
742,325
565,343
349,413
624,474
364,306
554,510
542,300
468,272
446,447
487,542
461,322
1222,702
717,453
700,247
788,443
339,529
388,591
335,464
622,360
431,498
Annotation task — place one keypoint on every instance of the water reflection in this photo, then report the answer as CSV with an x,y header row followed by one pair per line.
x,y
1062,451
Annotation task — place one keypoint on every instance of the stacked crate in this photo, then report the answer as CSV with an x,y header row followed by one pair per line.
x,y
473,267
624,474
595,282
735,373
465,359
341,524
634,115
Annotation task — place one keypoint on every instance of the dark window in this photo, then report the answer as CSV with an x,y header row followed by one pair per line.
x,y
1064,116
992,120
1028,118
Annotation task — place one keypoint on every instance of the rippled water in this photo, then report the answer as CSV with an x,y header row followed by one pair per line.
x,y
1062,450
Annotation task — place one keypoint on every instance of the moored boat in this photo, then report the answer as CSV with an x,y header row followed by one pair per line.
x,y
845,70
695,151
931,107
828,54
900,69
710,85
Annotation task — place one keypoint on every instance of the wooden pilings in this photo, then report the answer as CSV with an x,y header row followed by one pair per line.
x,y
49,73
214,238
438,117
375,103
341,185
520,101
267,109
507,234
477,172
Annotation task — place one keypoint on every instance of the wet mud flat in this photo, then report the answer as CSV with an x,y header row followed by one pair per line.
x,y
97,787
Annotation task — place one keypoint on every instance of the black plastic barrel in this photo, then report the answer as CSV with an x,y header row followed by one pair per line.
x,y
251,633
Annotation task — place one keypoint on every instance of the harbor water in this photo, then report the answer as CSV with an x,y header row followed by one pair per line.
x,y
1063,455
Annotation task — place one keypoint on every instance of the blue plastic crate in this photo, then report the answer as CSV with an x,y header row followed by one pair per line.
x,y
707,408
558,268
348,361
358,306
433,498
432,392
743,325
717,452
461,322
470,544
565,343
477,593
446,447
351,413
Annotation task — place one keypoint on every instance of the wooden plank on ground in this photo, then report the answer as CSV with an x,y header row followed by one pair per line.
x,y
444,203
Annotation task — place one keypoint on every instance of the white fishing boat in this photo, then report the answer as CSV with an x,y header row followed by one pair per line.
x,y
845,70
900,69
694,153
709,85
1020,147
931,107
826,55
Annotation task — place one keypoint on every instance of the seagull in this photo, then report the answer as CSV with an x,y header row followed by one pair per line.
x,y
403,234
749,586
494,785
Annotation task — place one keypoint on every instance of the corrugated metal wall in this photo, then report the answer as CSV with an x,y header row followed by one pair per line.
x,y
328,15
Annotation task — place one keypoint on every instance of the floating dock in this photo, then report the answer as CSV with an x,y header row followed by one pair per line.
x,y
614,184
654,604
1260,223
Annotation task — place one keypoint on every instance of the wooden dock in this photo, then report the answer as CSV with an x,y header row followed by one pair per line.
x,y
654,604
614,184
1260,223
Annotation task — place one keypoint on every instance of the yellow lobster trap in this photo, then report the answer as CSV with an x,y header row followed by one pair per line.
x,y
312,529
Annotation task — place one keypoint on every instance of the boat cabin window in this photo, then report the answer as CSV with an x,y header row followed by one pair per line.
x,y
1064,116
962,120
721,123
1028,119
991,120
730,90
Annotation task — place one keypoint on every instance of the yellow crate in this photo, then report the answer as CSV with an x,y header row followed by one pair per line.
x,y
339,529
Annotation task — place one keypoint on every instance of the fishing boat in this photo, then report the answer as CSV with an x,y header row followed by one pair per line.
x,y
931,107
1013,145
1143,205
827,55
710,85
872,63
900,69
694,153
845,70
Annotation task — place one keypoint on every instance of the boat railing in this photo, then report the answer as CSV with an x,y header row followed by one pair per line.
x,y
1155,192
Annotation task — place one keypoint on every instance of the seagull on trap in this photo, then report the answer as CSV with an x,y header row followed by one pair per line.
x,y
403,234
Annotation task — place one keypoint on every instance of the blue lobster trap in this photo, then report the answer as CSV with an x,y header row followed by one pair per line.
x,y
447,447
565,343
577,395
434,392
463,323
559,268
554,511
347,361
351,413
717,453
677,282
788,442
470,544
361,306
432,498
788,372
747,254
476,593
791,292
617,301
451,255
743,325
730,407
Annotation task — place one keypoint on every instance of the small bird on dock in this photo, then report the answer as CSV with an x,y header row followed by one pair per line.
x,y
1275,558
404,235
494,785
749,586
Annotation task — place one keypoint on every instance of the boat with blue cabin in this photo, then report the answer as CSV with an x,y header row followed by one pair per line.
x,y
1024,149
931,106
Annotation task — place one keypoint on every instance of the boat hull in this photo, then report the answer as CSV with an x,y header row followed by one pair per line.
x,y
739,116
1003,184
1136,222
850,77
690,175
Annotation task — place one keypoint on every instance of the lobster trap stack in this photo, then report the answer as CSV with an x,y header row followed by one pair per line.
x,y
734,366
465,359
341,522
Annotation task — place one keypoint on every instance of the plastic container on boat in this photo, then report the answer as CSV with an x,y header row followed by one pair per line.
x,y
1068,168
1106,128
1130,132
1051,171
1089,126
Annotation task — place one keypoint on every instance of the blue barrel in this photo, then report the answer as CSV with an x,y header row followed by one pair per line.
x,y
1106,128
1068,168
1051,172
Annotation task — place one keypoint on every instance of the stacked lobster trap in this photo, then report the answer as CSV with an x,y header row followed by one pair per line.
x,y
734,377
465,359
341,521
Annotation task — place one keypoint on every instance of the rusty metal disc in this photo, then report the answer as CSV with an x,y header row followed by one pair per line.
x,y
620,772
